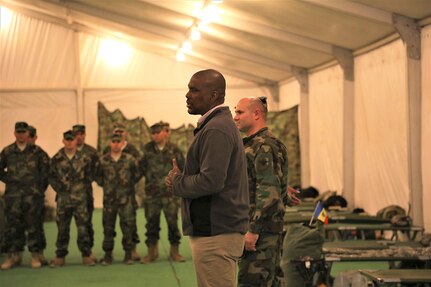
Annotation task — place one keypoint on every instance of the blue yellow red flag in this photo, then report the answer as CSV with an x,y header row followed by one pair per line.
x,y
320,213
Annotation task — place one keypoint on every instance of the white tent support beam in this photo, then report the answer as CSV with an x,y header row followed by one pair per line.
x,y
87,16
239,23
356,9
410,33
199,61
242,54
79,11
346,61
274,33
301,76
275,92
79,91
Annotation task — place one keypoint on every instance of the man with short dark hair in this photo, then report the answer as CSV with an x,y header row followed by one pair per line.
x,y
70,176
213,186
155,166
25,173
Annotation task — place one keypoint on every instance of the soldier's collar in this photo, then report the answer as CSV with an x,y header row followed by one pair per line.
x,y
246,139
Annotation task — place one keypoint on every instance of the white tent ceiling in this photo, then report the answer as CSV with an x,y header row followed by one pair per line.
x,y
260,41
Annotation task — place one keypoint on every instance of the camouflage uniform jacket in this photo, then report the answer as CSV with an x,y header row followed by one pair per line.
x,y
91,152
71,178
267,178
24,172
155,166
117,178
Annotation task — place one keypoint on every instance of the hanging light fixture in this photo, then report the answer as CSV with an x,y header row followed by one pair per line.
x,y
205,15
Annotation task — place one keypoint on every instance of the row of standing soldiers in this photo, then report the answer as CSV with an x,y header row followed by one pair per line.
x,y
27,170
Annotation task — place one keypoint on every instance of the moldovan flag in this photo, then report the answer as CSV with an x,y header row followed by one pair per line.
x,y
320,213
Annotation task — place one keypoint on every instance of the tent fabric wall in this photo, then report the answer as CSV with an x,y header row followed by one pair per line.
x,y
381,119
30,59
426,123
326,126
289,95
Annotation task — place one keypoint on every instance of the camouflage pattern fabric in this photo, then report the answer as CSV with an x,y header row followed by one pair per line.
x,y
155,166
118,179
267,179
132,150
259,268
301,243
283,124
70,179
41,202
2,224
153,208
91,152
267,175
25,174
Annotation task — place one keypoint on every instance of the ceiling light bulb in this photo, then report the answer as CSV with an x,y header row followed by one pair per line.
x,y
210,14
187,47
195,34
180,56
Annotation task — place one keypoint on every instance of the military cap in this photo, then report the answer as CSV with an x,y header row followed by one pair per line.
x,y
69,135
157,127
116,137
166,125
78,128
21,126
119,127
32,131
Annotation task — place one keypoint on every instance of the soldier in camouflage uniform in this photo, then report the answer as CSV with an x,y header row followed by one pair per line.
x,y
127,147
42,238
70,177
155,166
91,152
267,174
117,173
24,170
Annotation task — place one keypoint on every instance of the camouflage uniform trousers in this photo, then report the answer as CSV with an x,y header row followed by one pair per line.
x,y
153,208
126,212
66,209
90,208
22,215
41,243
135,236
261,267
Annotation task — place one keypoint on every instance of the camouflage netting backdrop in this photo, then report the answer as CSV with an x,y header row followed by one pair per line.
x,y
283,124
